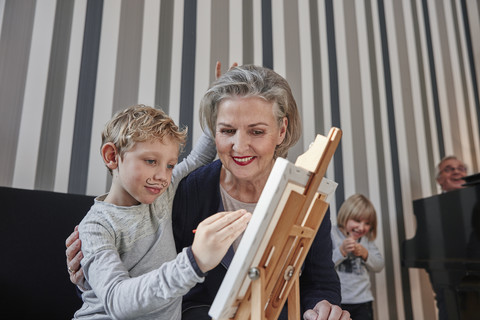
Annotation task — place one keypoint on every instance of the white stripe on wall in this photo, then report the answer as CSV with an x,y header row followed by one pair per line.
x,y
176,71
34,98
148,60
344,97
235,50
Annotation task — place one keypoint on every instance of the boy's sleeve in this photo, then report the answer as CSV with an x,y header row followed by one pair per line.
x,y
127,297
202,153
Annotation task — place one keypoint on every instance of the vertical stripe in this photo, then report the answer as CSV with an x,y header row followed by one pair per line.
x,y
335,104
188,68
235,32
257,32
15,41
2,11
459,81
127,71
293,67
176,60
52,114
317,69
471,64
424,103
344,97
445,79
306,72
205,53
356,106
433,79
219,36
28,143
98,179
164,58
381,168
394,153
149,56
85,101
247,32
267,34
71,90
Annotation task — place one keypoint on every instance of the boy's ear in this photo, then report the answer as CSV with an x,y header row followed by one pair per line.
x,y
110,155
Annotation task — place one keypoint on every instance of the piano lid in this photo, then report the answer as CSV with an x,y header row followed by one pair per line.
x,y
448,231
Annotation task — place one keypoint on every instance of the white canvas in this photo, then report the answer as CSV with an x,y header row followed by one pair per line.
x,y
284,178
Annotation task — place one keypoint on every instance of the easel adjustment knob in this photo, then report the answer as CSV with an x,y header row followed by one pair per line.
x,y
288,273
254,273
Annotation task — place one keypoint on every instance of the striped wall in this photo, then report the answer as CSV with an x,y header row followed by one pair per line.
x,y
399,77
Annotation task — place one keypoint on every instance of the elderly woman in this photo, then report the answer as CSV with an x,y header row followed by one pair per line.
x,y
255,119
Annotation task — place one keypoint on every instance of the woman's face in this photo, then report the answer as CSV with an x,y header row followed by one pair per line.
x,y
246,136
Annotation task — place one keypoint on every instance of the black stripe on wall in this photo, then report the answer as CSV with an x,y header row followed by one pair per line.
x,y
334,98
188,69
77,182
52,112
164,56
433,79
394,155
267,35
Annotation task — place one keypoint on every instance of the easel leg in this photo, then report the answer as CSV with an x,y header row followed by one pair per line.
x,y
258,297
294,301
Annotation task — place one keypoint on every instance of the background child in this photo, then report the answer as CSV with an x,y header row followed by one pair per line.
x,y
354,254
130,263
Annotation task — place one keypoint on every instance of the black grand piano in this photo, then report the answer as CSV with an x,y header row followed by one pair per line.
x,y
447,245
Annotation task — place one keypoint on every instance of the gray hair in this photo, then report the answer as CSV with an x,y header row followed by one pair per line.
x,y
438,172
254,81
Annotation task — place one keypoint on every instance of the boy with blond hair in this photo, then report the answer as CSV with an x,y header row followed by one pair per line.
x,y
130,263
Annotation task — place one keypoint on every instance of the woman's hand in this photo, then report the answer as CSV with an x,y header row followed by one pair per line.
x,y
215,235
324,310
74,256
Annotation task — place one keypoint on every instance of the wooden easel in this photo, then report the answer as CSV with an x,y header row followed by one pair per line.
x,y
276,277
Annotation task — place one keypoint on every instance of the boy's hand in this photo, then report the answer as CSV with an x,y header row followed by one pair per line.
x,y
215,235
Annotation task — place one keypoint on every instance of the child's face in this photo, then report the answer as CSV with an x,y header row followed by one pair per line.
x,y
357,228
145,172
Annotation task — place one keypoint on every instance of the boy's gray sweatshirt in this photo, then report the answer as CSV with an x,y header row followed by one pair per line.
x,y
130,263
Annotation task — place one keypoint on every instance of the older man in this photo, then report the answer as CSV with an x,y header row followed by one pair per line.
x,y
450,173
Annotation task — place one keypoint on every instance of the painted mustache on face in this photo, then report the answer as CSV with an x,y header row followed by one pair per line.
x,y
163,183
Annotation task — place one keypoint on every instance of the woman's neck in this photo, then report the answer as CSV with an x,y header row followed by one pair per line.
x,y
243,190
